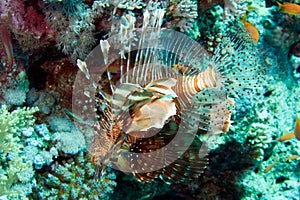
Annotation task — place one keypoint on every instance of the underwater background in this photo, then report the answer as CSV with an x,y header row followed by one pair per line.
x,y
44,153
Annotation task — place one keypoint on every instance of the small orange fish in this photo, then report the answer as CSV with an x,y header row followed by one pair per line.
x,y
291,135
289,8
250,29
293,157
297,128
286,136
269,167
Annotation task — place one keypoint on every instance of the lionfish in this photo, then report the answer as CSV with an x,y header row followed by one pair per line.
x,y
156,91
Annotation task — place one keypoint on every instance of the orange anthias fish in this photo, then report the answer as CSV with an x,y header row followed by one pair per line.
x,y
289,8
287,159
293,157
269,167
286,136
297,128
250,29
169,86
291,135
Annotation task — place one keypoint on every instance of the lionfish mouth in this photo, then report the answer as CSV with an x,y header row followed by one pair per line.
x,y
155,91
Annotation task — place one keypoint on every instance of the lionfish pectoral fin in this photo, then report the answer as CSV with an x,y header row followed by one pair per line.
x,y
152,115
100,171
190,165
167,82
181,154
110,155
151,156
140,96
214,113
162,86
191,153
120,96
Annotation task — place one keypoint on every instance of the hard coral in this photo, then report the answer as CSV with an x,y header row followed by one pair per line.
x,y
74,179
12,78
182,14
16,173
15,97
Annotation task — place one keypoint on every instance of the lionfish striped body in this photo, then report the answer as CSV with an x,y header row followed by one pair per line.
x,y
164,92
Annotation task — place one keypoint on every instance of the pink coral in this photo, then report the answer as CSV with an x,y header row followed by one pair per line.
x,y
27,22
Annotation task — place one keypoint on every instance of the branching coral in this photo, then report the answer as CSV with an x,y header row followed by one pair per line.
x,y
75,179
77,27
15,170
182,14
72,179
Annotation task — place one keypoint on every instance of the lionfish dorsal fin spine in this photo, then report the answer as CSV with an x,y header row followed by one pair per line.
x,y
104,45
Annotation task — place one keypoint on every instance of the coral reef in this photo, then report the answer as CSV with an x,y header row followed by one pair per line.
x,y
44,146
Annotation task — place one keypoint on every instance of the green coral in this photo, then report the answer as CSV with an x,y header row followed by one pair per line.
x,y
74,179
14,169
